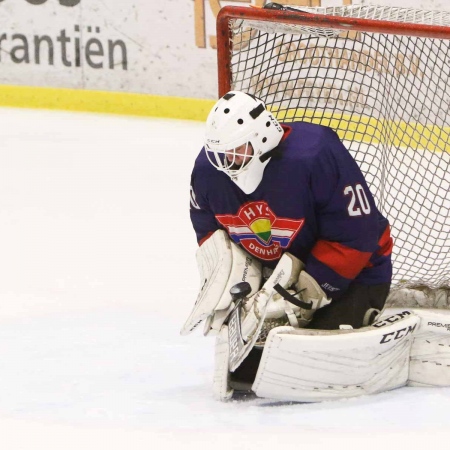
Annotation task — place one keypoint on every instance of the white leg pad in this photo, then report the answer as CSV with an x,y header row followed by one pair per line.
x,y
221,387
316,365
430,353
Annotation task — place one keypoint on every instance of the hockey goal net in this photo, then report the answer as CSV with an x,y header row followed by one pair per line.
x,y
377,75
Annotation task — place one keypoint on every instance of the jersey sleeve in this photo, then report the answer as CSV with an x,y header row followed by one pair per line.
x,y
202,218
347,218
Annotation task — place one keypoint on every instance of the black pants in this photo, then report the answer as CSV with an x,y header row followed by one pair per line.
x,y
350,309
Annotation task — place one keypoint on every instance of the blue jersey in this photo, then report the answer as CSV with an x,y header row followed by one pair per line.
x,y
313,202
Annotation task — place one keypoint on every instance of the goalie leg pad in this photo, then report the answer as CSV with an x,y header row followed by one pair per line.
x,y
430,353
316,365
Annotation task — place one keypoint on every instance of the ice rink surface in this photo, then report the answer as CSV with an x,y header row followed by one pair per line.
x,y
98,273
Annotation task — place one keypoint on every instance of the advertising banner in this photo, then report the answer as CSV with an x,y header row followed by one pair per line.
x,y
165,48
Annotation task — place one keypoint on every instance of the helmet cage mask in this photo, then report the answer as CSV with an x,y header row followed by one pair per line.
x,y
239,131
232,161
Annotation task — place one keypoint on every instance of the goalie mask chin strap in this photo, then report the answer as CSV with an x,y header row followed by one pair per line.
x,y
290,298
275,153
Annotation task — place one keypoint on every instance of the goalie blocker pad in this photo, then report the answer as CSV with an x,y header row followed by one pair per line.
x,y
221,264
316,365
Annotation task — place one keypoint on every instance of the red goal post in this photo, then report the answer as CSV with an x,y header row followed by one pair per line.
x,y
380,76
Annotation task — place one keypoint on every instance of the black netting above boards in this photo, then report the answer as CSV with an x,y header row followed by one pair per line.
x,y
387,96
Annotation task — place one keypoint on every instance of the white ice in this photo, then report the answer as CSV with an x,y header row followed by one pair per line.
x,y
98,273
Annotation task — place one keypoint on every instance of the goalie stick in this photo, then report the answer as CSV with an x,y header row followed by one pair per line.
x,y
323,32
238,347
280,7
244,330
237,344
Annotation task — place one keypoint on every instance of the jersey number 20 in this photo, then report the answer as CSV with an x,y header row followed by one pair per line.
x,y
359,204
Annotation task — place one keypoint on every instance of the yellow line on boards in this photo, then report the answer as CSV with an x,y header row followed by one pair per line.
x,y
105,102
359,128
355,128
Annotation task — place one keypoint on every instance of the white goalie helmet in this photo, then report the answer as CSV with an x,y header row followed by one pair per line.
x,y
240,133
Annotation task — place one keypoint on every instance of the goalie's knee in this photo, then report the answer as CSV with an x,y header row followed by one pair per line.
x,y
315,365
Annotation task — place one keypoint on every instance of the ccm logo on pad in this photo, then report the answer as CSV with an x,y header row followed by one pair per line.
x,y
398,334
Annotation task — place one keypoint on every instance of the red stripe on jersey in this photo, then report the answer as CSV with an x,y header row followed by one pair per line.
x,y
287,131
386,243
345,261
229,220
205,238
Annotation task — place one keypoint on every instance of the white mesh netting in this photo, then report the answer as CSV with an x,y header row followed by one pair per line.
x,y
388,97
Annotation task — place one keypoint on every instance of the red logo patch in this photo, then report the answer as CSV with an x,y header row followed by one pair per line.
x,y
260,231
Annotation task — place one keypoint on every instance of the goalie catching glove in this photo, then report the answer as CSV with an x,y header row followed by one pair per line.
x,y
221,264
298,305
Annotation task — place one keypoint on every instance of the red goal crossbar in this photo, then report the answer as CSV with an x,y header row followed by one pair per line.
x,y
228,13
